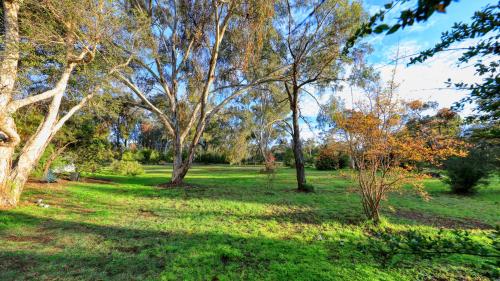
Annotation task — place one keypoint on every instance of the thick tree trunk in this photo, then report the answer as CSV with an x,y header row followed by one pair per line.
x,y
7,198
36,145
28,158
297,151
9,138
180,171
177,170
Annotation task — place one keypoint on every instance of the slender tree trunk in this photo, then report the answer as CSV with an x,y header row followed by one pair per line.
x,y
52,158
297,145
293,97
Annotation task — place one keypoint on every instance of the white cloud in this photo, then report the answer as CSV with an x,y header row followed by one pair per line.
x,y
423,81
307,132
419,27
373,9
426,81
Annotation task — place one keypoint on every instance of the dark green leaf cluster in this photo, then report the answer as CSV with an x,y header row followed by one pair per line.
x,y
466,173
486,94
408,17
386,245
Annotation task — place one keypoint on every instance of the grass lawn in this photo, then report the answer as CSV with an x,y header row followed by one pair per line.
x,y
229,225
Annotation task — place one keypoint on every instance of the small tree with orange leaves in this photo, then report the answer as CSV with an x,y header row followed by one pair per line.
x,y
383,149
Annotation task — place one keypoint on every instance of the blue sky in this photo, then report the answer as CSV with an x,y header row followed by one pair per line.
x,y
426,34
425,81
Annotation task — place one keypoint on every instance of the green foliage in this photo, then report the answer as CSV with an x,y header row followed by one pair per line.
x,y
466,173
127,168
331,159
91,155
145,156
128,156
386,245
288,158
154,157
421,13
231,226
211,158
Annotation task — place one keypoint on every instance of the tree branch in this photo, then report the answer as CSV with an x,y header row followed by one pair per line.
x,y
61,84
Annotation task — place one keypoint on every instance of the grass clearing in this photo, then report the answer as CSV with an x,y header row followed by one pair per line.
x,y
227,225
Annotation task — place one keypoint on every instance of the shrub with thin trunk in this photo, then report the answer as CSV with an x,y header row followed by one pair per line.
x,y
382,148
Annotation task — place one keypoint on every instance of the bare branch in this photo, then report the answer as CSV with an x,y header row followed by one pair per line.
x,y
60,86
166,121
71,112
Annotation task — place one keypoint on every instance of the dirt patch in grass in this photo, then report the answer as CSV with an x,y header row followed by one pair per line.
x,y
39,184
95,180
129,249
173,185
36,239
148,213
438,221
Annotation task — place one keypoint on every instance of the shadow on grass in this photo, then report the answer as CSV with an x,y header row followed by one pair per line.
x,y
103,252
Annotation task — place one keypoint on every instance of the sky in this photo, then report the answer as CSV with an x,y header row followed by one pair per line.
x,y
423,81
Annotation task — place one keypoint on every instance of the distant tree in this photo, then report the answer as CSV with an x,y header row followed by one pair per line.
x,y
268,111
312,46
332,156
483,160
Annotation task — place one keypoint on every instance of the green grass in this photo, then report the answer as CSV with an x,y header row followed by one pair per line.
x,y
228,226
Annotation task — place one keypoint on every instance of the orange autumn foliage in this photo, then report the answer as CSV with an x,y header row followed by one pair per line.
x,y
384,151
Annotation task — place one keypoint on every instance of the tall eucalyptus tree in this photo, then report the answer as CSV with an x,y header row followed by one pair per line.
x,y
313,35
192,62
60,39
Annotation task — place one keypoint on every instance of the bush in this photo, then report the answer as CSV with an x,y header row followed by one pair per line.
x,y
127,168
466,173
330,158
129,156
147,156
154,157
344,161
288,158
211,158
